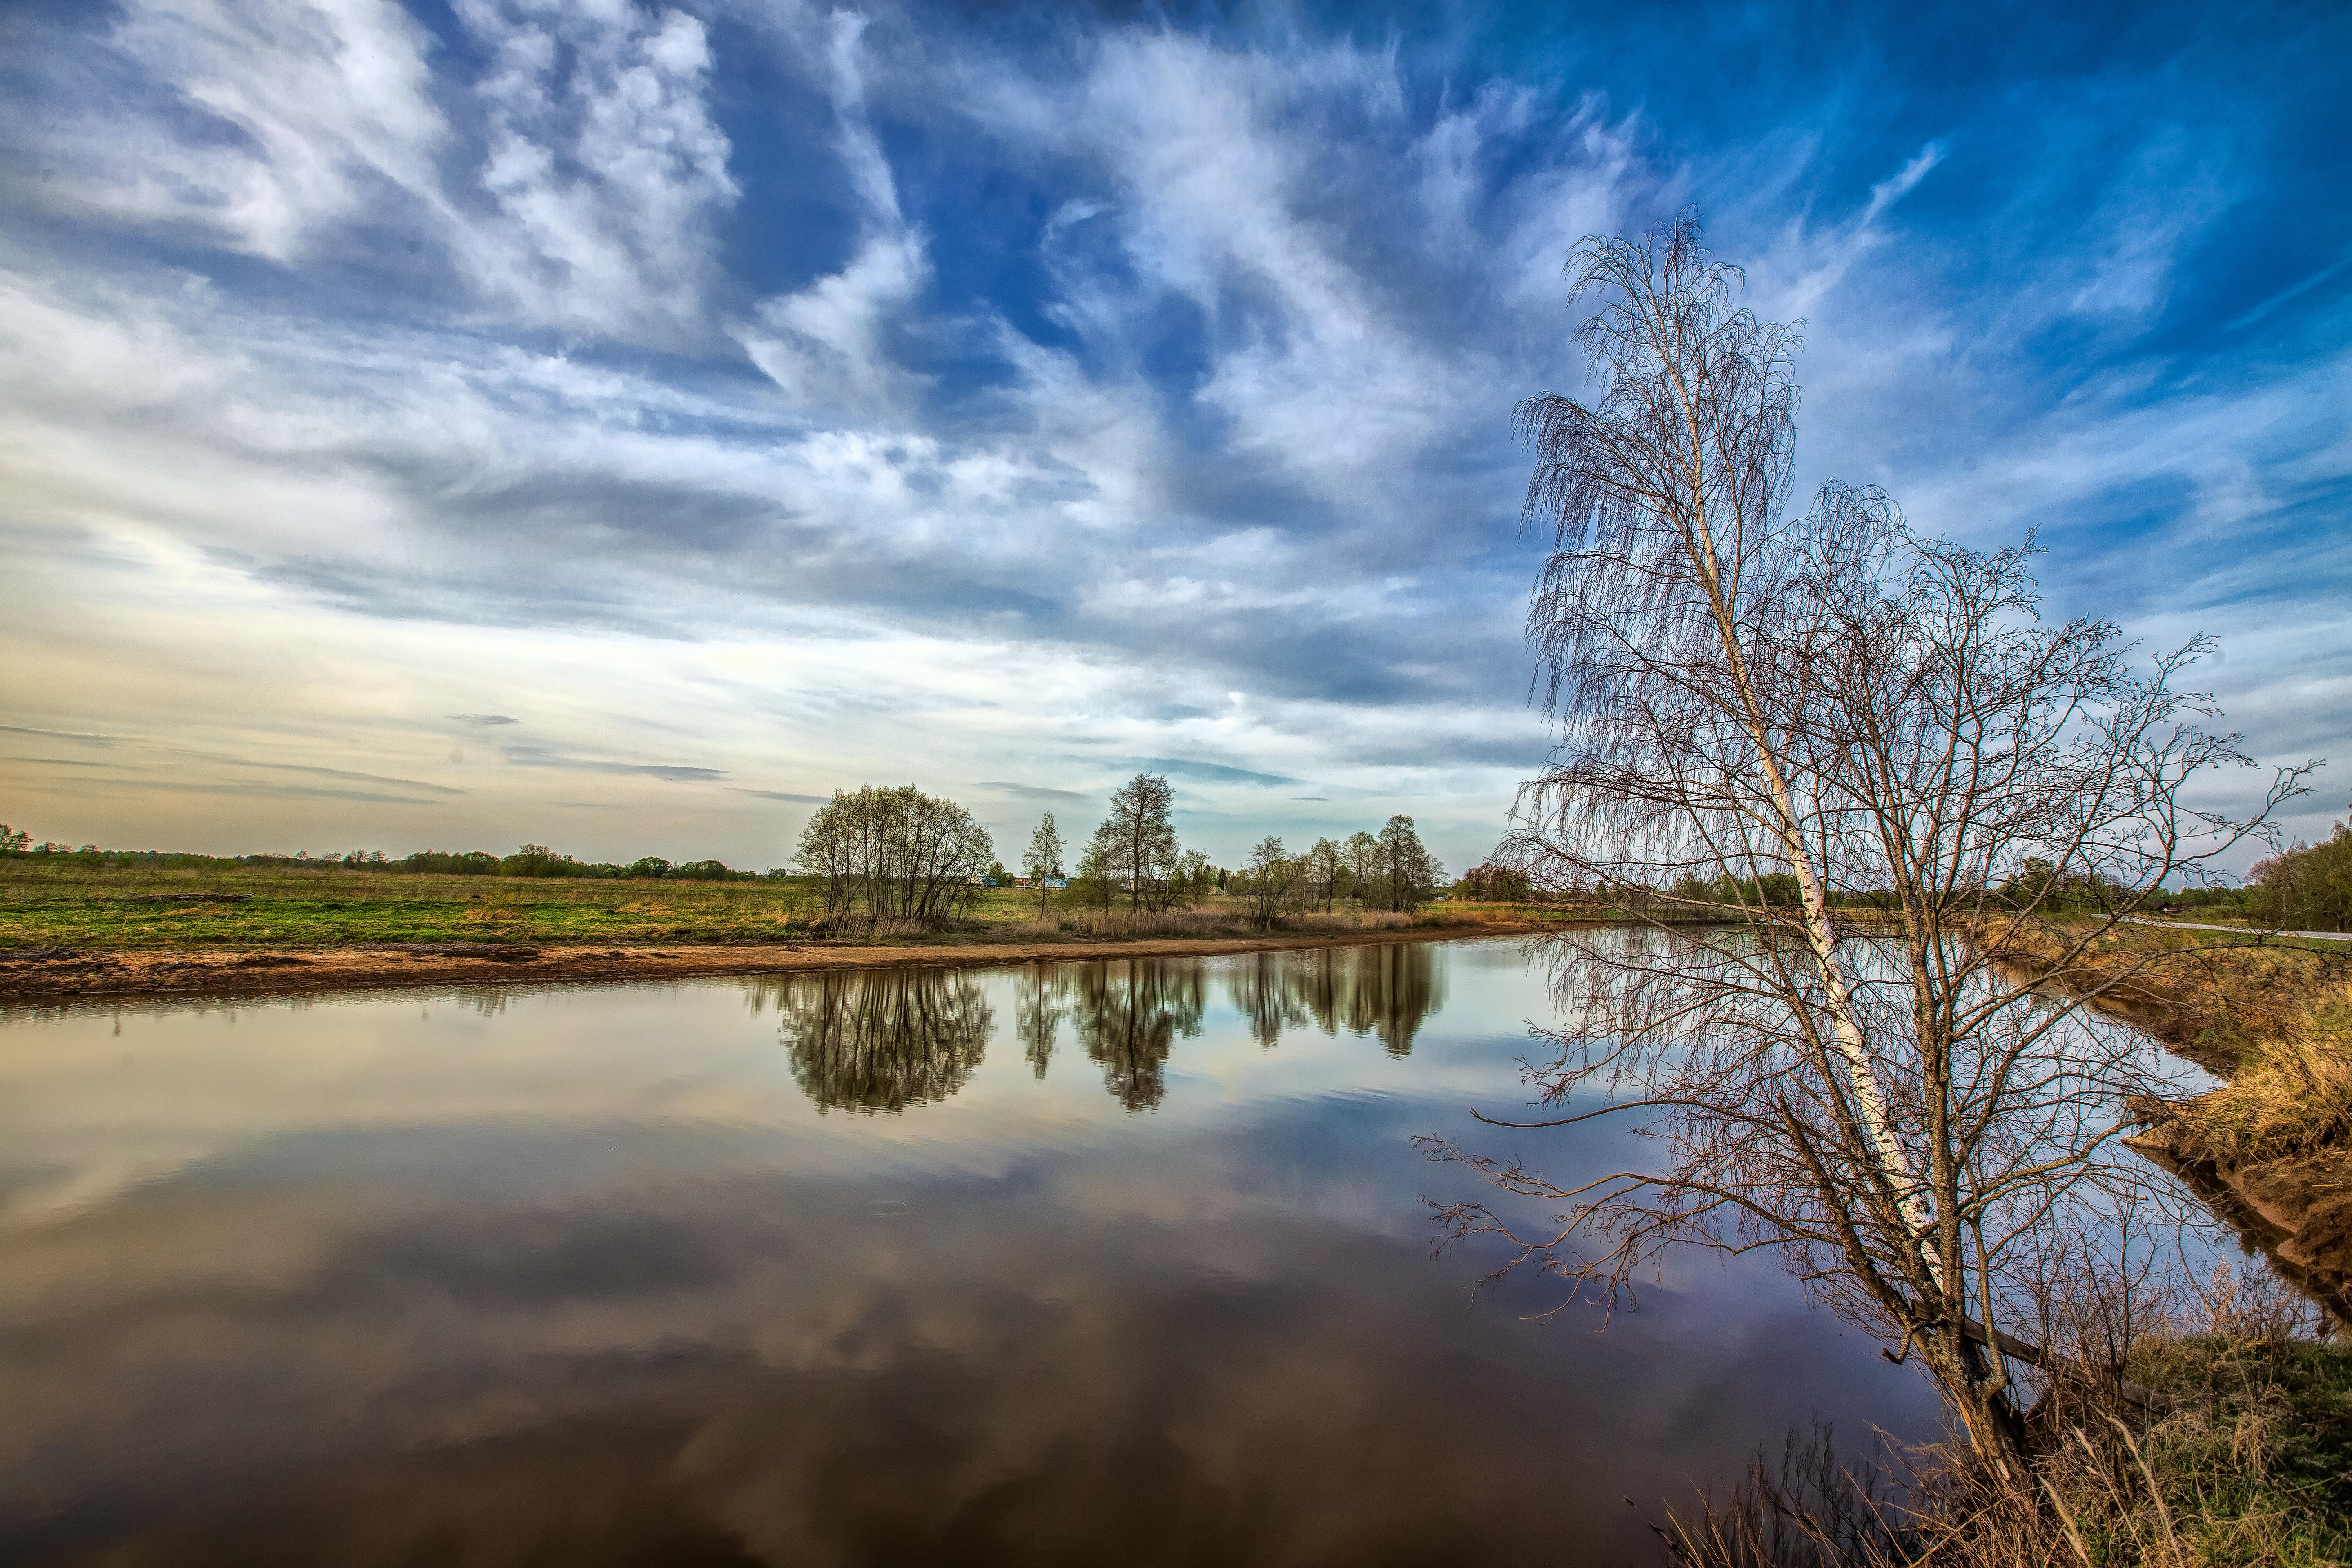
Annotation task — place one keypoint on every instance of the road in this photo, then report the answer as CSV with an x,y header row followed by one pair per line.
x,y
2242,931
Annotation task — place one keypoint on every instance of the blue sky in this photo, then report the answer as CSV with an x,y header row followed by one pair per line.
x,y
616,425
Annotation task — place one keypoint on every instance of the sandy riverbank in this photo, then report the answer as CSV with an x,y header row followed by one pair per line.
x,y
72,976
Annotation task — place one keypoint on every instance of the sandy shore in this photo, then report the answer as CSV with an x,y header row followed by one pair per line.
x,y
70,974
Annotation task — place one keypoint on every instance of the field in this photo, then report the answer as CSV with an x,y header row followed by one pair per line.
x,y
133,909
138,908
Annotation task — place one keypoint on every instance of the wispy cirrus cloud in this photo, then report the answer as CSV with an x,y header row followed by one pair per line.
x,y
873,393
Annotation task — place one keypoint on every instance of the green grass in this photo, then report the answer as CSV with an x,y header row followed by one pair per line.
x,y
80,907
2255,1463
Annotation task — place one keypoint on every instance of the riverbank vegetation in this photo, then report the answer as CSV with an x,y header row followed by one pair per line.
x,y
2235,1449
2307,887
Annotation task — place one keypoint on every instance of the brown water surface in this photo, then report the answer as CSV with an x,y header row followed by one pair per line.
x,y
1109,1262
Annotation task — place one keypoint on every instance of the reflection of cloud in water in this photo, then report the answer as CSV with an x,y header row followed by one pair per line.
x,y
401,1279
758,1370
884,1039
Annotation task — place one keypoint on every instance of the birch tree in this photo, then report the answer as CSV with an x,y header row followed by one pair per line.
x,y
1789,712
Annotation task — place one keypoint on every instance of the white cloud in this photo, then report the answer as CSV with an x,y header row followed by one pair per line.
x,y
287,128
1238,426
825,345
283,118
605,167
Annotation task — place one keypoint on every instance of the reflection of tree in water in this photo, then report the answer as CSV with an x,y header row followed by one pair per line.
x,y
1389,990
884,1039
1274,991
1129,1016
1042,1010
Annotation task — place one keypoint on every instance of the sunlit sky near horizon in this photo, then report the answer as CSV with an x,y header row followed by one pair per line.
x,y
615,425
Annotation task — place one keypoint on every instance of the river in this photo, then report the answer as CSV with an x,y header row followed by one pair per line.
x,y
1109,1262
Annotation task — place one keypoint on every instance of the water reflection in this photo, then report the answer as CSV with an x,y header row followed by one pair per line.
x,y
883,1042
1387,991
1129,1014
883,1039
595,1279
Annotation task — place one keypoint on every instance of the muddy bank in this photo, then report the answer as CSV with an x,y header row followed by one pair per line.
x,y
2213,1010
2298,1208
66,974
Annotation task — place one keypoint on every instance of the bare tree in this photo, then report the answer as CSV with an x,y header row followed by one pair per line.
x,y
1138,842
1043,861
1323,867
1272,875
1362,852
1807,718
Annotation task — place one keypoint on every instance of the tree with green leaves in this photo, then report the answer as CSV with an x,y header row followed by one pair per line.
x,y
1194,875
894,854
1094,882
1408,869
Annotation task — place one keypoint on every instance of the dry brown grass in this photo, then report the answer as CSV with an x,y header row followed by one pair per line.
x,y
2291,1093
1159,922
2274,1020
1370,920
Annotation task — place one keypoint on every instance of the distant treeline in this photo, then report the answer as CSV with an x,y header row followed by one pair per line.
x,y
886,855
530,860
2308,888
538,860
879,849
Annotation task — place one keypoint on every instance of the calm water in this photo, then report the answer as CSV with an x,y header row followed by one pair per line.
x,y
1076,1264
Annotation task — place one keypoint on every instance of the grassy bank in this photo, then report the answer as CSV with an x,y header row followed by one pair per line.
x,y
2245,1460
2272,1017
134,909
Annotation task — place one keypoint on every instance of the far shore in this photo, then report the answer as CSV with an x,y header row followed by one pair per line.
x,y
94,975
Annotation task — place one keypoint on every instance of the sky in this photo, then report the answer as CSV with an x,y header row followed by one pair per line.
x,y
617,425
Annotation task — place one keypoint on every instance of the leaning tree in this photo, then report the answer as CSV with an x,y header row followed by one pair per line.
x,y
1825,744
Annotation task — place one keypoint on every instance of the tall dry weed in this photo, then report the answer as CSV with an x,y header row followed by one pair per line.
x,y
2292,1091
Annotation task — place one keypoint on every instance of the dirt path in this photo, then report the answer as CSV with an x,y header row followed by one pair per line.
x,y
70,975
